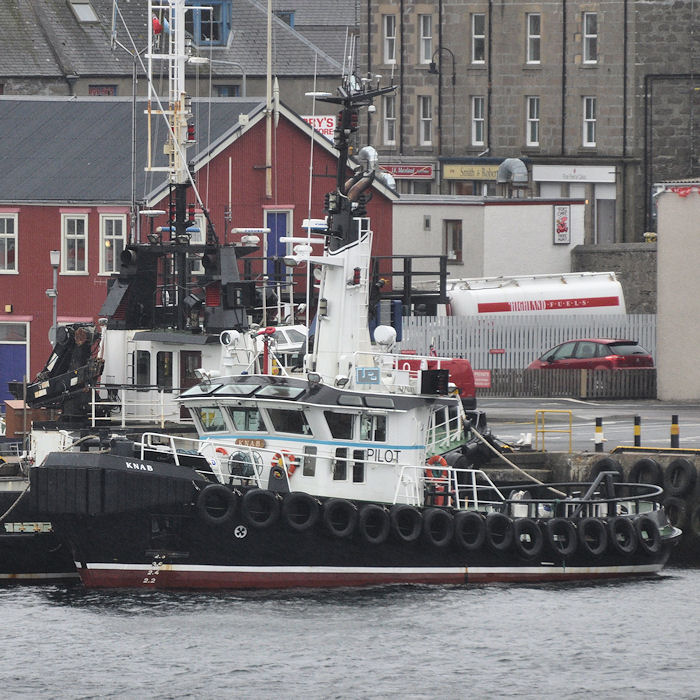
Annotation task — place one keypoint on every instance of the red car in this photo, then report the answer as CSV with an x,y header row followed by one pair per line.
x,y
595,353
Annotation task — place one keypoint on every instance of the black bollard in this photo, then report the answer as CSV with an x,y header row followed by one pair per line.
x,y
675,437
637,431
599,439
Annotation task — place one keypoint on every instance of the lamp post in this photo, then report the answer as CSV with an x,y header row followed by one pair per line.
x,y
55,257
435,70
203,61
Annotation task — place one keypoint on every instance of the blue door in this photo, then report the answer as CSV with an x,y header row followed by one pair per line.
x,y
276,221
13,365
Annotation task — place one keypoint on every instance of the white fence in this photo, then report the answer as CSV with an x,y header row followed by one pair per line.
x,y
495,342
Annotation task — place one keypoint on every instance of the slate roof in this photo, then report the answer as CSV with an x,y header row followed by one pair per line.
x,y
61,149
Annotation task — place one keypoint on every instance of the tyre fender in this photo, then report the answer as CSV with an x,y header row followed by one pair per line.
x,y
527,537
593,536
438,527
648,534
300,511
680,477
499,531
623,535
406,522
340,516
646,471
216,504
561,536
374,523
260,507
470,530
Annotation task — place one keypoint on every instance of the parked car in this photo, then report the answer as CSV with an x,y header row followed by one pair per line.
x,y
595,353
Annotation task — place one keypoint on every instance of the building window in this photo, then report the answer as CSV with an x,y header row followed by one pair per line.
x,y
102,90
478,38
8,243
453,239
426,37
589,119
112,241
533,38
478,120
74,243
209,21
287,16
425,103
228,90
533,121
590,37
390,120
389,22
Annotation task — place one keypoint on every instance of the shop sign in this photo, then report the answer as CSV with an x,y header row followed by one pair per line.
x,y
324,125
406,170
573,173
562,224
467,171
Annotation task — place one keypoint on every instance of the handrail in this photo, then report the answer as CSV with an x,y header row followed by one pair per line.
x,y
540,418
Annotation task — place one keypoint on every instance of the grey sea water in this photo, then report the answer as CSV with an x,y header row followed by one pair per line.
x,y
616,640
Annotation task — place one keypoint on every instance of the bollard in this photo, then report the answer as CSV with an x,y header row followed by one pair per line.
x,y
599,435
674,431
637,431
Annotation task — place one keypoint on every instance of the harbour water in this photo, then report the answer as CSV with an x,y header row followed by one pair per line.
x,y
616,640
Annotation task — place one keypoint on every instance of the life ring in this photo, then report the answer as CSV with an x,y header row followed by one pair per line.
x,y
260,507
340,516
499,531
470,530
437,479
216,504
438,527
300,511
676,511
527,537
406,522
285,460
623,536
561,536
593,536
607,464
680,477
648,534
374,523
646,471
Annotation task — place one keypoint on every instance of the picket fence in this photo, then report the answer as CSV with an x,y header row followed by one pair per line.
x,y
496,342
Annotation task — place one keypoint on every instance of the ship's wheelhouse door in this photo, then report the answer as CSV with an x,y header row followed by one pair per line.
x,y
190,360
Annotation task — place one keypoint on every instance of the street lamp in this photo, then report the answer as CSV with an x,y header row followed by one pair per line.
x,y
203,61
55,257
435,70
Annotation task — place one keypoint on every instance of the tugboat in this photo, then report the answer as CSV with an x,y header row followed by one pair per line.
x,y
356,471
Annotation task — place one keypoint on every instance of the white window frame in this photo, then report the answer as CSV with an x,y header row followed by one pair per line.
x,y
5,237
425,27
534,37
389,31
478,38
590,38
453,228
425,120
590,109
532,121
198,238
478,120
68,235
389,120
106,236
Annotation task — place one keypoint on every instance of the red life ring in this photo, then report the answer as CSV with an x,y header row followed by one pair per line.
x,y
285,460
438,477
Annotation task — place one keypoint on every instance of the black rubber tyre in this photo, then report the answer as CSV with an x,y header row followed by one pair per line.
x,y
676,511
593,536
374,524
528,538
499,532
438,527
648,535
680,477
216,504
470,530
646,471
300,511
623,535
340,517
260,507
562,537
406,522
607,464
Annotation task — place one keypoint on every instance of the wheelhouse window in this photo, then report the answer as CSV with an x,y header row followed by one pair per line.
x,y
589,121
533,38
112,241
425,24
390,120
478,38
8,243
74,234
286,421
590,37
142,361
209,21
164,370
389,22
478,120
246,419
425,103
533,121
373,428
340,424
210,418
453,239
340,464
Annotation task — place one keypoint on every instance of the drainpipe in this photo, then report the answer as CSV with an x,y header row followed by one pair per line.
x,y
623,175
369,65
563,78
489,74
439,105
401,79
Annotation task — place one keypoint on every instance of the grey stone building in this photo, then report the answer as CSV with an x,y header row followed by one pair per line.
x,y
599,99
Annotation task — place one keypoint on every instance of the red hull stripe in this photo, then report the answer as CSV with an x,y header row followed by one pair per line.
x,y
182,576
546,304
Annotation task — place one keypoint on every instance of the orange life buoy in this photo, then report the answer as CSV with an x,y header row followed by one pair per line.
x,y
221,451
438,478
285,460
